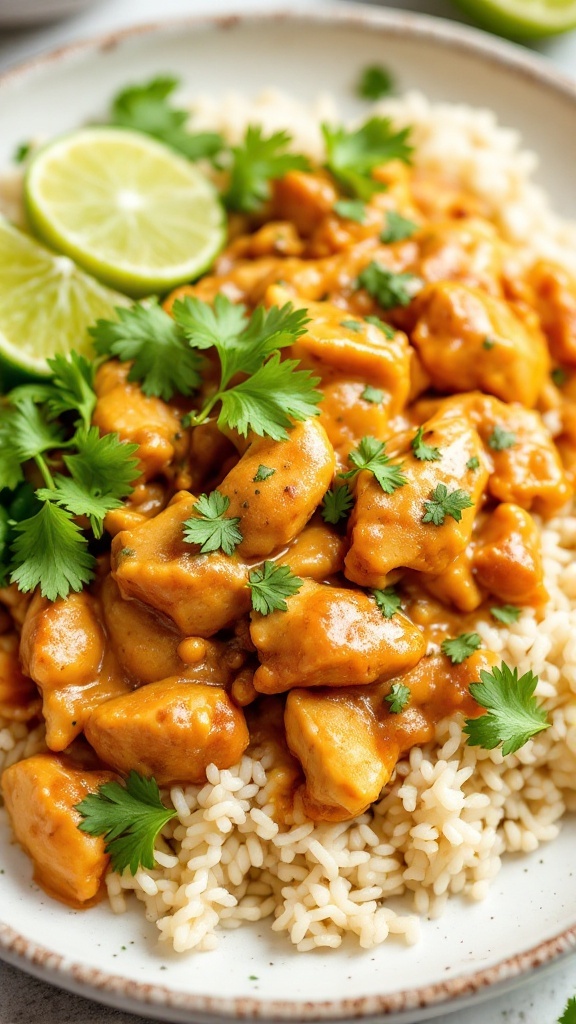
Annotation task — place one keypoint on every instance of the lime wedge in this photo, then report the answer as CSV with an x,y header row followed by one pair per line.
x,y
526,19
46,306
125,207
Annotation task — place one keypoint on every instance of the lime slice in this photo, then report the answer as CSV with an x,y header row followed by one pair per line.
x,y
526,19
46,305
125,207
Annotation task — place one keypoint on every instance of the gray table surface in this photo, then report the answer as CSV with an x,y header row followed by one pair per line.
x,y
24,1000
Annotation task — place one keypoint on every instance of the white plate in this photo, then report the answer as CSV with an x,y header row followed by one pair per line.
x,y
530,917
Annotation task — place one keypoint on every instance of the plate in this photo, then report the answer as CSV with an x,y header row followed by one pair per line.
x,y
529,918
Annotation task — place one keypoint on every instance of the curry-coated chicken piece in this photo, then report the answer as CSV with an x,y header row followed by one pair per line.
x,y
41,793
152,424
555,299
304,199
153,563
63,649
277,486
318,552
330,636
348,741
172,730
457,585
389,531
466,249
19,698
469,340
347,415
507,559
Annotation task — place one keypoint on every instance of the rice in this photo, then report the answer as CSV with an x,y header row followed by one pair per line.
x,y
451,811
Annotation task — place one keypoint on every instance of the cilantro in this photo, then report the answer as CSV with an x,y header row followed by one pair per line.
x,y
386,329
388,288
262,473
255,163
569,1013
72,386
375,82
398,698
423,451
210,527
21,152
351,325
443,503
559,376
388,601
162,361
270,585
351,209
336,504
146,108
374,395
370,455
29,430
352,156
512,714
129,817
488,343
461,647
397,228
50,551
275,392
473,463
500,439
507,613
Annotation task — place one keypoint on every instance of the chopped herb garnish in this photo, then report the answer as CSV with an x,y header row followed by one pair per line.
x,y
370,455
351,325
398,698
512,716
559,376
397,228
461,647
500,439
375,82
352,156
337,504
129,817
210,527
473,463
488,343
444,503
388,288
21,152
569,1014
270,585
257,161
506,613
423,451
262,473
374,395
386,329
388,601
351,209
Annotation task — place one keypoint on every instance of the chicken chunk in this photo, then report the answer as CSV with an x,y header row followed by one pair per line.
x,y
41,793
555,293
507,559
347,415
388,530
63,650
172,729
466,249
457,585
330,636
467,339
318,552
304,199
19,699
275,509
200,593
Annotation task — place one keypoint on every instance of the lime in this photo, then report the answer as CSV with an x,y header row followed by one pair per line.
x,y
526,19
128,209
46,306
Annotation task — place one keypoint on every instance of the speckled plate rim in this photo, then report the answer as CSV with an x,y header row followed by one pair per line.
x,y
444,996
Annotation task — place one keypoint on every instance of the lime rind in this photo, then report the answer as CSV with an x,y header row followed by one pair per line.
x,y
522,19
127,209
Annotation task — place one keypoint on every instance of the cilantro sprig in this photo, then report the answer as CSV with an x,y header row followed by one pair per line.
x,y
388,288
398,698
130,817
460,647
352,156
375,82
271,585
444,503
569,1012
254,163
210,527
506,613
422,451
500,439
388,601
397,228
512,715
337,504
371,455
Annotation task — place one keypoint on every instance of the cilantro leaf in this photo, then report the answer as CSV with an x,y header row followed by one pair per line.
x,y
72,386
388,288
506,613
512,715
146,108
559,376
30,432
388,601
442,504
129,817
270,399
255,163
397,228
351,325
10,462
351,209
500,439
21,152
488,343
270,585
375,82
374,395
461,647
162,361
351,156
370,455
210,527
423,451
76,499
473,463
386,329
262,473
103,464
336,504
398,698
569,1013
50,551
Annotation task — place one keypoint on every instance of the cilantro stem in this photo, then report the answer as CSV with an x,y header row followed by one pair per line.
x,y
46,474
197,418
